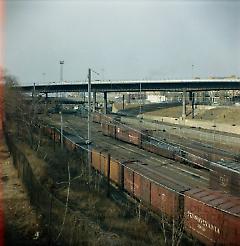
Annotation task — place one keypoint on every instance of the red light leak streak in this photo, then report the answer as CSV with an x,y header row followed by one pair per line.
x,y
1,119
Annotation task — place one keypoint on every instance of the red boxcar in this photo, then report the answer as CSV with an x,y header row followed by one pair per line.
x,y
96,118
225,176
115,171
96,159
153,189
122,134
212,217
134,137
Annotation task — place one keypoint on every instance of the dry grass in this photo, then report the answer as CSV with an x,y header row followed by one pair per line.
x,y
110,216
173,112
228,115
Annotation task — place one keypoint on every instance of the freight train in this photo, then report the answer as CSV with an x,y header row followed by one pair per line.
x,y
224,175
211,216
145,140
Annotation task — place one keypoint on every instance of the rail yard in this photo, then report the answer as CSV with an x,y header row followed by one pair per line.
x,y
190,180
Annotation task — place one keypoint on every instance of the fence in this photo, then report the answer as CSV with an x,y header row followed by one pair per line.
x,y
65,226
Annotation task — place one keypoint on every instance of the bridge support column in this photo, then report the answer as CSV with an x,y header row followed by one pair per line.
x,y
123,102
105,102
84,97
94,100
184,104
192,100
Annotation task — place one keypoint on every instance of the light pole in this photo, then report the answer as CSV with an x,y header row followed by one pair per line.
x,y
61,62
192,70
43,74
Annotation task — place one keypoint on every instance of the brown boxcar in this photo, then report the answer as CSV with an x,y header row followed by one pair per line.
x,y
129,180
135,182
103,163
164,200
134,137
133,179
115,171
166,193
212,217
96,118
122,134
153,189
198,160
106,118
157,150
225,176
99,160
112,130
96,159
145,190
104,127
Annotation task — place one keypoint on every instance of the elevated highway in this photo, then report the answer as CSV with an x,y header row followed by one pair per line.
x,y
186,85
136,85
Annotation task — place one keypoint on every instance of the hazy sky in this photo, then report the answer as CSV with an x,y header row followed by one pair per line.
x,y
129,39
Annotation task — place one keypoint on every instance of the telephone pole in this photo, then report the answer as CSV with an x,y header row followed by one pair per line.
x,y
89,125
89,106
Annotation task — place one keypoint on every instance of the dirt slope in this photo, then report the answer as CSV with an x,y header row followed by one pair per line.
x,y
21,223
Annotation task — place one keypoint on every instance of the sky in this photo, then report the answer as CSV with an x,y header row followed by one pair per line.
x,y
121,39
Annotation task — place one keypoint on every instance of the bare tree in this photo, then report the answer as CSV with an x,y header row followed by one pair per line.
x,y
22,111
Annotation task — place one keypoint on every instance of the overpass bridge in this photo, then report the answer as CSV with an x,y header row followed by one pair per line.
x,y
174,85
136,85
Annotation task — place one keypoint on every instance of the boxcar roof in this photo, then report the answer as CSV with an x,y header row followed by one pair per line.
x,y
217,199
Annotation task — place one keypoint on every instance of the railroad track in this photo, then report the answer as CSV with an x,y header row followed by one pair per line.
x,y
155,181
161,133
169,169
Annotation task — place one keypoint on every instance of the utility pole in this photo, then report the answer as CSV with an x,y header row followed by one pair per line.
x,y
89,125
61,129
89,106
140,90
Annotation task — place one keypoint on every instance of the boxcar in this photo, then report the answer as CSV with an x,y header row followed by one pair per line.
x,y
115,171
122,134
99,160
225,176
212,217
159,148
135,137
96,159
153,189
104,127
